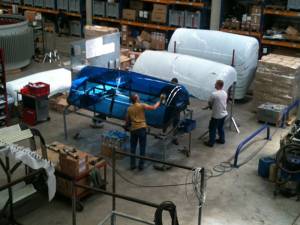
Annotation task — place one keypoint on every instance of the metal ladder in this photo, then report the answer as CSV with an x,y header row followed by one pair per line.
x,y
3,93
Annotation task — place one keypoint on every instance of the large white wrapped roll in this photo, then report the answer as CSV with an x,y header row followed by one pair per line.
x,y
219,46
196,74
60,80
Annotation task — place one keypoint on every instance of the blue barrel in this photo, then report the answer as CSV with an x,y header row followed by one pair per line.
x,y
264,166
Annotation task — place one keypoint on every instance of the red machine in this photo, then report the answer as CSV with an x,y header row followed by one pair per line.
x,y
35,103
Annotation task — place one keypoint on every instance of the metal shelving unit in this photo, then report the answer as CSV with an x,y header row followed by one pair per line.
x,y
202,6
135,23
55,12
242,32
259,35
3,93
281,13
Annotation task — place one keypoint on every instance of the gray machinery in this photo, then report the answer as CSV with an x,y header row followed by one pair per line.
x,y
16,39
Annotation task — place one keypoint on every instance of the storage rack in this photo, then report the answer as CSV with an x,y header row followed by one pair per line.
x,y
3,93
202,5
267,11
281,13
73,12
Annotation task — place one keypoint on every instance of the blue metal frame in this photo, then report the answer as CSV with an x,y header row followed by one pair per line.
x,y
249,138
261,129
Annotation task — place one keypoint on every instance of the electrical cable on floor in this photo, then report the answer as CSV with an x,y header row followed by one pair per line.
x,y
143,185
217,171
196,182
225,167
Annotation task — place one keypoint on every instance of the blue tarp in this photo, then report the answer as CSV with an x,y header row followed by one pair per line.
x,y
107,92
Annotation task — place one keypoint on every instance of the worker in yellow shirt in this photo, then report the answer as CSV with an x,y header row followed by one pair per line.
x,y
136,121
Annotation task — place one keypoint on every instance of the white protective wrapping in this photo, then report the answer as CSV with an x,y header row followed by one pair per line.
x,y
34,161
60,80
196,74
219,46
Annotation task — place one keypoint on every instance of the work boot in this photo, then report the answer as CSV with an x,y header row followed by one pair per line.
x,y
219,141
208,144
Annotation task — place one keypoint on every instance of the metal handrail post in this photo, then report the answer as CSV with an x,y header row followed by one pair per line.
x,y
113,217
201,201
65,121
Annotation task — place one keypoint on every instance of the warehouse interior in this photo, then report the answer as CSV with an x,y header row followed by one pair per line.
x,y
149,112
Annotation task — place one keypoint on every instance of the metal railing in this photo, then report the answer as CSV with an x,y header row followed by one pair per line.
x,y
115,195
261,129
249,138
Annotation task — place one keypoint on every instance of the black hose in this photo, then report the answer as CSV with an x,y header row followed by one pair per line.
x,y
171,208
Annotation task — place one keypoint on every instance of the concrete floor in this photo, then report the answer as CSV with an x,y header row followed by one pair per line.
x,y
239,197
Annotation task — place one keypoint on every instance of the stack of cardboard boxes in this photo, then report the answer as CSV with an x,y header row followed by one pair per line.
x,y
277,80
249,22
129,14
256,14
146,40
292,34
159,13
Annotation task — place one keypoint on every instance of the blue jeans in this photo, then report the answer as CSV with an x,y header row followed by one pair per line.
x,y
136,136
214,126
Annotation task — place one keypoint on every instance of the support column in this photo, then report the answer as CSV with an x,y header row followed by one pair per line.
x,y
215,15
89,12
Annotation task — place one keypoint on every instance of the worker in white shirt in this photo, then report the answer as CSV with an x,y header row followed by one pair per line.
x,y
217,103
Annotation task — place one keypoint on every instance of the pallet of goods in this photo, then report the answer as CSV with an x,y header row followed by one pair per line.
x,y
277,80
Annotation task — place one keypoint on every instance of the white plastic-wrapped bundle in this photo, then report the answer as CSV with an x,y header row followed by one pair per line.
x,y
219,46
60,80
196,74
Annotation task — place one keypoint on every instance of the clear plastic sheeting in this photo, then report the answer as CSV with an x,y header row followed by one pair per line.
x,y
196,74
219,47
60,80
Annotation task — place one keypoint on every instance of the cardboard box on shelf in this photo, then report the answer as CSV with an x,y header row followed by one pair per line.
x,y
98,31
145,36
136,4
158,17
30,15
256,9
255,19
49,27
129,14
291,31
160,7
158,41
159,13
255,27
